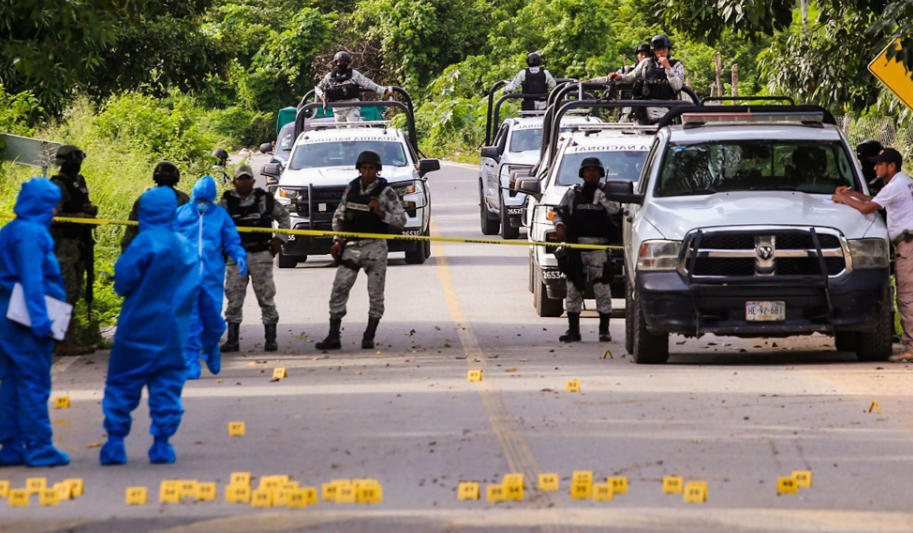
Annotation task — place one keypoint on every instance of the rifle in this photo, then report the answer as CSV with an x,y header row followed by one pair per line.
x,y
570,263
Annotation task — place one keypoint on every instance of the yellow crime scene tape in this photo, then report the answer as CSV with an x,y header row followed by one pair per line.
x,y
323,233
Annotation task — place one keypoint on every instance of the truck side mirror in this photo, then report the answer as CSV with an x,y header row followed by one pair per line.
x,y
271,169
491,152
428,165
530,186
266,148
622,191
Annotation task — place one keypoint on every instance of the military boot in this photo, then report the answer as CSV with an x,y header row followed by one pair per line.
x,y
573,330
271,344
232,344
333,341
367,341
604,335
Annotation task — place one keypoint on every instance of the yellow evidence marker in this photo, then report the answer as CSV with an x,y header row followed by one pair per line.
x,y
494,493
673,485
582,485
4,489
297,499
239,478
261,498
188,488
18,498
345,493
64,490
602,492
786,485
803,479
170,492
35,485
328,492
548,482
49,497
619,484
874,406
695,492
206,492
136,495
572,385
280,497
311,493
76,485
474,375
237,494
62,402
236,429
468,490
369,493
513,487
280,373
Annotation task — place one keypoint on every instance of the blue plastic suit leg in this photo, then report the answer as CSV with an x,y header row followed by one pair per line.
x,y
194,345
165,402
162,452
113,452
11,452
122,396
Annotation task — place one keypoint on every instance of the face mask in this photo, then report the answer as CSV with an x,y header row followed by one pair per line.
x,y
590,188
202,207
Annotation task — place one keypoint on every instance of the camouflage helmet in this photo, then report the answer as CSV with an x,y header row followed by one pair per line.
x,y
69,153
368,156
591,162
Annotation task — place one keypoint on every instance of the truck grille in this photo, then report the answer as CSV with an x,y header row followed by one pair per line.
x,y
311,200
764,252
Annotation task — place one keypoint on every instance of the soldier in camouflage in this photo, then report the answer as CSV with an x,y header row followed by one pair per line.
x,y
369,205
584,216
253,208
343,84
166,174
73,243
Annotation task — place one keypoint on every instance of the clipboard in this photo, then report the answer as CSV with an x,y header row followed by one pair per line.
x,y
59,312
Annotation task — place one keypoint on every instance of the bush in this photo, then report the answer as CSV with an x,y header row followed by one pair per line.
x,y
239,127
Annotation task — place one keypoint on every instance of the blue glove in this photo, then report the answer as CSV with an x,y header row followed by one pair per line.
x,y
242,265
41,330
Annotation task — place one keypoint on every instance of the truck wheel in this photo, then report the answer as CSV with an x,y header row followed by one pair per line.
x,y
490,222
508,232
629,318
288,262
426,245
876,345
649,349
545,306
532,271
845,341
417,256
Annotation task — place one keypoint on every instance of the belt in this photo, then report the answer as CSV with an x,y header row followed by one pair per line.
x,y
903,237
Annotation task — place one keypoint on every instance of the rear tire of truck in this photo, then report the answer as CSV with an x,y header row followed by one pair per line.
x,y
649,349
426,245
285,261
629,319
545,306
845,341
876,345
490,223
508,232
417,256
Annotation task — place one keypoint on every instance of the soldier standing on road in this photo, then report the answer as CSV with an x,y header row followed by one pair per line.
x,y
897,198
369,205
166,174
532,80
658,78
584,216
253,207
343,84
74,243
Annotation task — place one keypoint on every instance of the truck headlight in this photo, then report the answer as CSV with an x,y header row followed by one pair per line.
x,y
869,253
659,255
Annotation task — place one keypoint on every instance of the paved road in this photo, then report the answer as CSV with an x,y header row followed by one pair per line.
x,y
734,413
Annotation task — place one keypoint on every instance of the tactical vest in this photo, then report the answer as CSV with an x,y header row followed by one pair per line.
x,y
342,87
656,83
251,216
79,196
359,218
535,83
589,219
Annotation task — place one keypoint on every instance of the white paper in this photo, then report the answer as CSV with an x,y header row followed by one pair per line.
x,y
59,312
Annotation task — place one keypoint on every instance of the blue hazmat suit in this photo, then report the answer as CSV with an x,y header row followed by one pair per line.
x,y
212,232
158,277
27,257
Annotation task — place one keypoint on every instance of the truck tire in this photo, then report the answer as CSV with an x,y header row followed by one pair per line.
x,y
649,349
845,341
417,256
532,273
285,261
426,245
629,319
490,223
545,306
876,345
508,232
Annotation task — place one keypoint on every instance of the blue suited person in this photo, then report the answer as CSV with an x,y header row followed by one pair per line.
x,y
158,276
27,257
213,234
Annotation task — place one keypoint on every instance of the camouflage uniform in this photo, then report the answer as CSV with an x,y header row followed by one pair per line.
x,y
348,114
593,260
369,254
72,240
131,232
259,270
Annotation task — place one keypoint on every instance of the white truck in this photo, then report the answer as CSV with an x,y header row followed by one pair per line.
x,y
731,230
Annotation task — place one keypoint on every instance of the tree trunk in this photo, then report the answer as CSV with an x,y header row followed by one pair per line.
x,y
735,80
719,75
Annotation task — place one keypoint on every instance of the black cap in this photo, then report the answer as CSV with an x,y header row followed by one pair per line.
x,y
888,155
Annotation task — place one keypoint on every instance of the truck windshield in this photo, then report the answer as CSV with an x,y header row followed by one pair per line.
x,y
619,165
526,140
344,154
814,167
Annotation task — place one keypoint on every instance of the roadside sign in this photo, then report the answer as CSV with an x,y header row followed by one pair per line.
x,y
893,74
28,151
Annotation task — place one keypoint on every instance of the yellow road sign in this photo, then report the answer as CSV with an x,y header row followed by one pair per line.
x,y
893,74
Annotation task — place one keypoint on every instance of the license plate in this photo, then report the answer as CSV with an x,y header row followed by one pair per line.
x,y
515,211
765,311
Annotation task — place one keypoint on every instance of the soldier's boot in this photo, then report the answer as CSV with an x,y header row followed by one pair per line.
x,y
367,341
573,329
333,341
271,344
604,335
232,344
